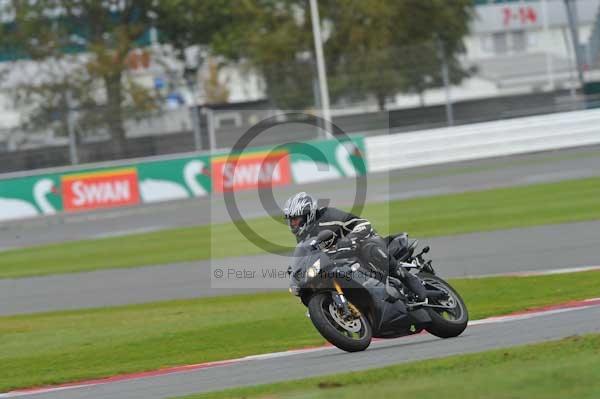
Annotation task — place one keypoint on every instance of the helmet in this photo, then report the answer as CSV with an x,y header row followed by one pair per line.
x,y
300,211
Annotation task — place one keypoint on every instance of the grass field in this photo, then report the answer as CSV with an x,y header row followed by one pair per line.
x,y
423,217
51,348
560,369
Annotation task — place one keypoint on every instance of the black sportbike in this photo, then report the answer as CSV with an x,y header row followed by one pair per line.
x,y
349,302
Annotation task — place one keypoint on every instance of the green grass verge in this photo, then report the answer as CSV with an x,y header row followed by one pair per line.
x,y
567,368
567,201
51,348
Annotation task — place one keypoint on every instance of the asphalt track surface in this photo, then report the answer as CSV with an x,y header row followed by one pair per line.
x,y
271,369
475,254
399,184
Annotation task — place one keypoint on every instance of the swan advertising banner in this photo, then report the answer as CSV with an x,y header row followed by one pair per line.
x,y
29,197
305,162
101,189
249,171
314,161
145,182
174,179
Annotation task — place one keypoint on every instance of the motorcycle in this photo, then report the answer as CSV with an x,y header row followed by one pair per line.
x,y
350,303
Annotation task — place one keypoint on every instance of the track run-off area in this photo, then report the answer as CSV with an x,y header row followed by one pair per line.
x,y
533,326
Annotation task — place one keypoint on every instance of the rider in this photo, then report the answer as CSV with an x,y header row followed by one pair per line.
x,y
350,233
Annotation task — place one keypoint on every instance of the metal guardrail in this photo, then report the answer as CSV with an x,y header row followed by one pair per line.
x,y
483,140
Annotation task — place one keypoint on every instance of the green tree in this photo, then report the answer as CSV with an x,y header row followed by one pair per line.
x,y
216,92
274,38
270,37
383,47
186,23
82,49
373,47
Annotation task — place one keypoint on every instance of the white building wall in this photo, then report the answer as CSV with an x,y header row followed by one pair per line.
x,y
244,84
545,61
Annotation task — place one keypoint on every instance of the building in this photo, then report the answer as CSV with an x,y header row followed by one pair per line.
x,y
523,46
515,47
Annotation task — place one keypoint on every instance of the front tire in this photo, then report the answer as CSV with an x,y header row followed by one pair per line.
x,y
349,336
446,323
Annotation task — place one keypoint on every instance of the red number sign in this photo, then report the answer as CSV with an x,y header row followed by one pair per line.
x,y
523,15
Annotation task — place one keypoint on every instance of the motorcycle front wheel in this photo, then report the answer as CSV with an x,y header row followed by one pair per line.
x,y
350,335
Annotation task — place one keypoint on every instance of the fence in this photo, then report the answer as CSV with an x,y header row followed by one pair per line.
x,y
483,140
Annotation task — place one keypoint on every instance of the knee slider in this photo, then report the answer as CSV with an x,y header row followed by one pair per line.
x,y
378,256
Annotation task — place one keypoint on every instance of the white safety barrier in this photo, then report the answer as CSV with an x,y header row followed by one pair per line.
x,y
483,140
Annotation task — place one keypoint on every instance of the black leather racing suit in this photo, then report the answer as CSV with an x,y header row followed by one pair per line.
x,y
355,232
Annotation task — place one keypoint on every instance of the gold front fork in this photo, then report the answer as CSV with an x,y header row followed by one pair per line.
x,y
353,309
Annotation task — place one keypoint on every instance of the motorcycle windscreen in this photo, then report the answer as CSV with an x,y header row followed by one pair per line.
x,y
303,257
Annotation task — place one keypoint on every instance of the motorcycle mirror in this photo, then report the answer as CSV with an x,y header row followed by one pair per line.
x,y
325,235
426,249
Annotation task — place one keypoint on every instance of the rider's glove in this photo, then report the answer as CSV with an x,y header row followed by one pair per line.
x,y
327,244
345,245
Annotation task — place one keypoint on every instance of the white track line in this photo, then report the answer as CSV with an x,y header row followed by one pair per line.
x,y
530,273
505,319
550,310
565,270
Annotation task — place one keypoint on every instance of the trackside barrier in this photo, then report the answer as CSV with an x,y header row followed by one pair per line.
x,y
144,181
483,140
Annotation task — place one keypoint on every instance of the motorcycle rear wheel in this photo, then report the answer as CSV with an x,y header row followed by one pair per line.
x,y
350,336
446,323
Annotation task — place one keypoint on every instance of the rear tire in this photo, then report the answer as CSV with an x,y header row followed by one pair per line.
x,y
445,323
334,332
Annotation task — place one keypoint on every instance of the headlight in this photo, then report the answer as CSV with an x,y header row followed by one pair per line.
x,y
314,269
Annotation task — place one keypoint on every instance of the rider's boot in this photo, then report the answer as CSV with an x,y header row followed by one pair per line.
x,y
417,292
377,253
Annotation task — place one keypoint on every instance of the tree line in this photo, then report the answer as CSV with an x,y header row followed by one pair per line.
x,y
373,48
